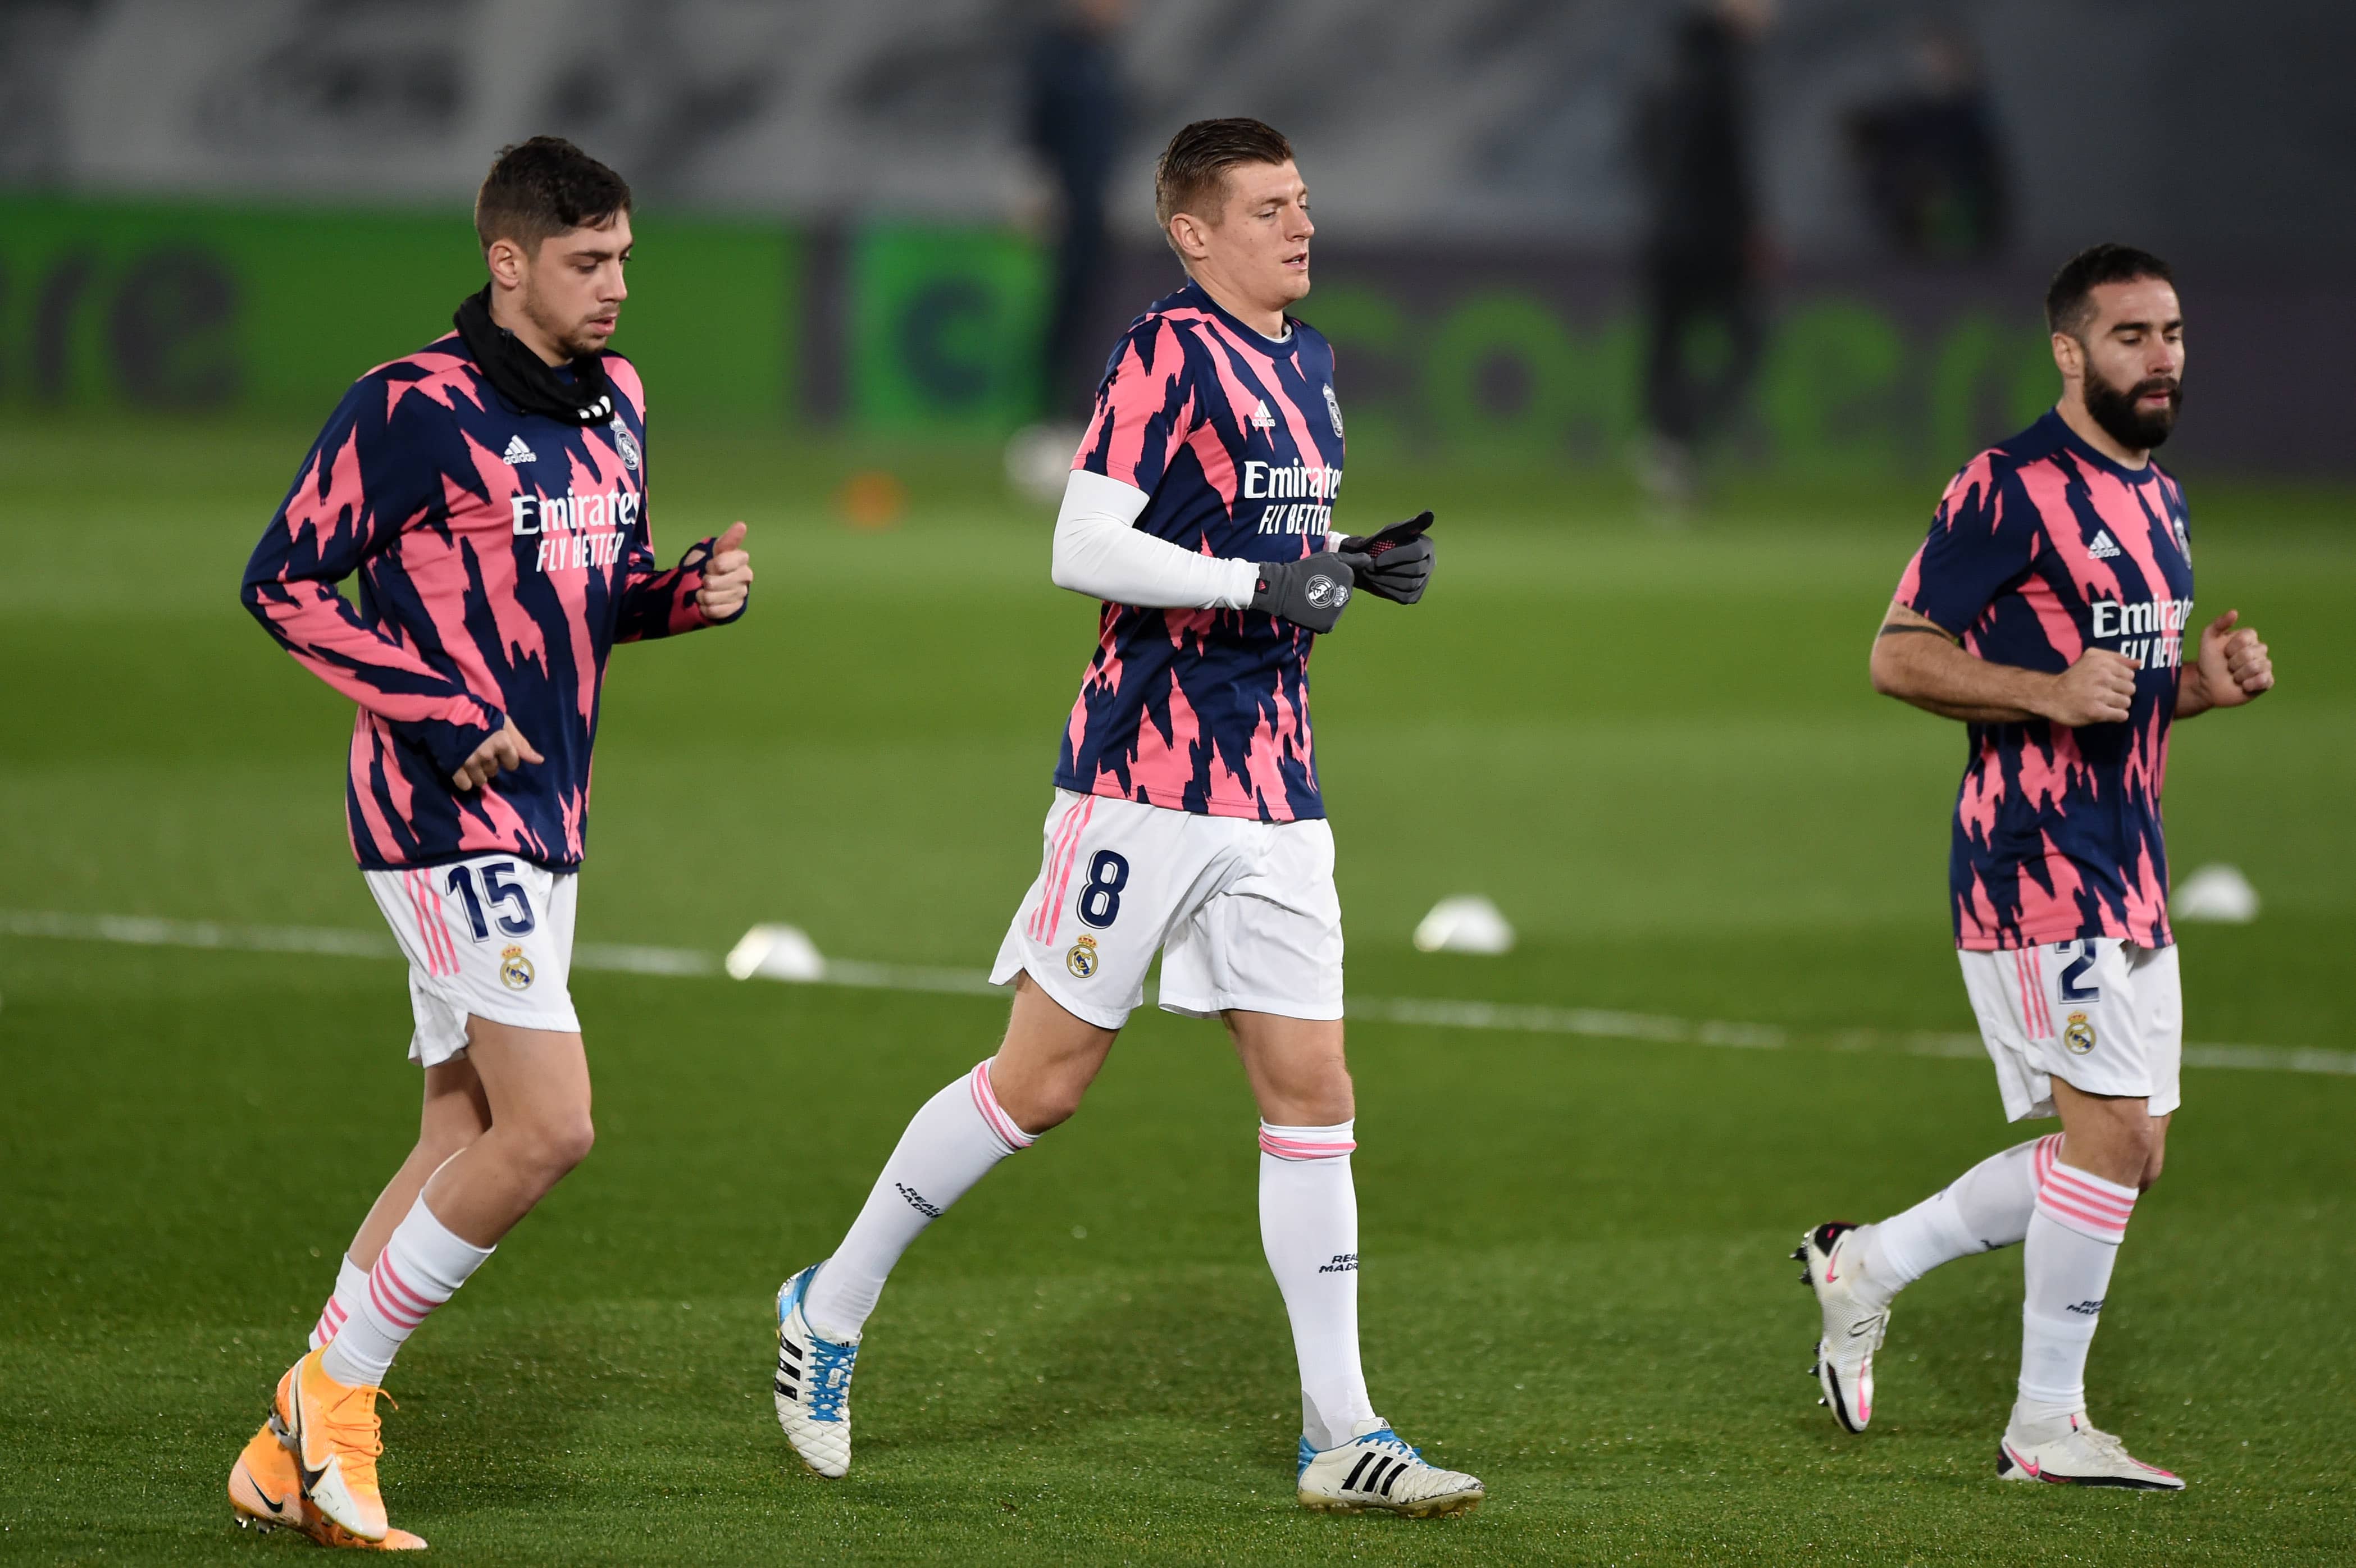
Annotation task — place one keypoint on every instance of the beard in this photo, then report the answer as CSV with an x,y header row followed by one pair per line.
x,y
2117,411
571,337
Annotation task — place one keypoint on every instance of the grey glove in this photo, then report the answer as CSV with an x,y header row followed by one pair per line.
x,y
1395,562
1309,593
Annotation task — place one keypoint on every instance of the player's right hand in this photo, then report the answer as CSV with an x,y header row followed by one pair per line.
x,y
1310,592
2099,689
503,752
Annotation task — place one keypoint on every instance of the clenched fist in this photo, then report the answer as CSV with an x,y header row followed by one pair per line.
x,y
727,576
2235,666
2097,689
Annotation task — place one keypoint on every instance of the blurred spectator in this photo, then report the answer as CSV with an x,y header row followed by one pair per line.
x,y
1703,244
1934,172
1075,114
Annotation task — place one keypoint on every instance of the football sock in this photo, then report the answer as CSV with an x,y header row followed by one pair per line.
x,y
1309,1227
1983,1208
949,1145
421,1267
2074,1239
351,1286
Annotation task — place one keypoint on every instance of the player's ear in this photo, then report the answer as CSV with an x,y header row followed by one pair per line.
x,y
1186,234
2069,355
505,260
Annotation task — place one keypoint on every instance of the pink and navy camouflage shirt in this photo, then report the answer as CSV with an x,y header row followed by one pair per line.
x,y
2041,549
1237,439
501,557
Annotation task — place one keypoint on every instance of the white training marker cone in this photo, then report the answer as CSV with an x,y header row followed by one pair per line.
x,y
1467,923
775,952
2219,894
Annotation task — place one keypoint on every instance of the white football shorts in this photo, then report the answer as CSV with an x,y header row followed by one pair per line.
x,y
1243,912
490,937
2102,1015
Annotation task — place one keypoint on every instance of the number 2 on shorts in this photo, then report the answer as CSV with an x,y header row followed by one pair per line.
x,y
2071,990
1100,898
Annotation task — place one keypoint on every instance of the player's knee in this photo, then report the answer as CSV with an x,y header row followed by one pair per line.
x,y
2152,1163
558,1142
1047,1102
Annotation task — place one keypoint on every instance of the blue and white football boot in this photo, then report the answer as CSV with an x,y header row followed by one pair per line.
x,y
1375,1472
813,1384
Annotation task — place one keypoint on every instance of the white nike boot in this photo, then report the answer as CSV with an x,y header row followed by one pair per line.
x,y
1852,1330
1377,1472
2077,1455
813,1384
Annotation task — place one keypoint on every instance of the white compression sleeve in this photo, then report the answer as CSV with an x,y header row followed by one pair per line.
x,y
1099,552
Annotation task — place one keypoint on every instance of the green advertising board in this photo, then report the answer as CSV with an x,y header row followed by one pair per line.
x,y
945,329
211,308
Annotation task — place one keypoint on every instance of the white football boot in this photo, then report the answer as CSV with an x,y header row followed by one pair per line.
x,y
2082,1455
813,1384
1377,1472
1852,1330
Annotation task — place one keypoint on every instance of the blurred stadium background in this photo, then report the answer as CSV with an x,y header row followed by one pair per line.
x,y
1634,713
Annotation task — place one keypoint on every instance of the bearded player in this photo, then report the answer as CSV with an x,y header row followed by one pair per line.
x,y
490,490
2048,612
1187,817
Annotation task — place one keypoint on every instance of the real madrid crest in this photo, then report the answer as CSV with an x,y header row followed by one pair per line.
x,y
514,969
2078,1035
626,445
1082,960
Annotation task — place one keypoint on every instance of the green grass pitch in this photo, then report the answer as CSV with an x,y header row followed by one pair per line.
x,y
1656,751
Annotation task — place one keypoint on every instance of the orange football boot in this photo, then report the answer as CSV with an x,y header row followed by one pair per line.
x,y
266,1488
334,1437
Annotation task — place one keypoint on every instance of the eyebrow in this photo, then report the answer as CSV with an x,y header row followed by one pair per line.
x,y
2175,323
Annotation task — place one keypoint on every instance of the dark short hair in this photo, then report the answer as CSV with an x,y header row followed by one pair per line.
x,y
1193,172
2068,299
546,187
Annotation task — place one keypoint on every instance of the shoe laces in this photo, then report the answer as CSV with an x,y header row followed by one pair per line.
x,y
1392,1442
352,1423
828,1379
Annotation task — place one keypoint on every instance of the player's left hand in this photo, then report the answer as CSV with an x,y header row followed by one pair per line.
x,y
727,576
2235,666
1395,562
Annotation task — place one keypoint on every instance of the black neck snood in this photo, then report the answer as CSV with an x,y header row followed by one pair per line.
x,y
526,380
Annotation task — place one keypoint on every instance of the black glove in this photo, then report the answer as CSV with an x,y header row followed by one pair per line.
x,y
1395,562
1310,592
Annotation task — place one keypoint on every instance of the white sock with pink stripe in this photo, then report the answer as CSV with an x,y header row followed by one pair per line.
x,y
351,1287
1986,1207
421,1267
949,1145
2074,1239
1309,1227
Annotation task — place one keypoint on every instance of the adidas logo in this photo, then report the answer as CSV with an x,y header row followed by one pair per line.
x,y
1261,419
2103,548
518,452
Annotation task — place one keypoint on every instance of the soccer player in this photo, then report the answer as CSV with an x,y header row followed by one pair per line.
x,y
2047,611
1186,816
490,492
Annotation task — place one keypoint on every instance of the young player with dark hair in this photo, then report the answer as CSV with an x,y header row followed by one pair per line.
x,y
490,492
1187,817
2047,611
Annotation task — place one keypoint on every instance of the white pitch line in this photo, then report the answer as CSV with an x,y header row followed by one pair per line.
x,y
141,930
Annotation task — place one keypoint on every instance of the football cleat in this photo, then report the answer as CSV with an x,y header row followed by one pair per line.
x,y
266,1489
2081,1456
813,1384
1852,1330
1375,1472
264,1486
334,1436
